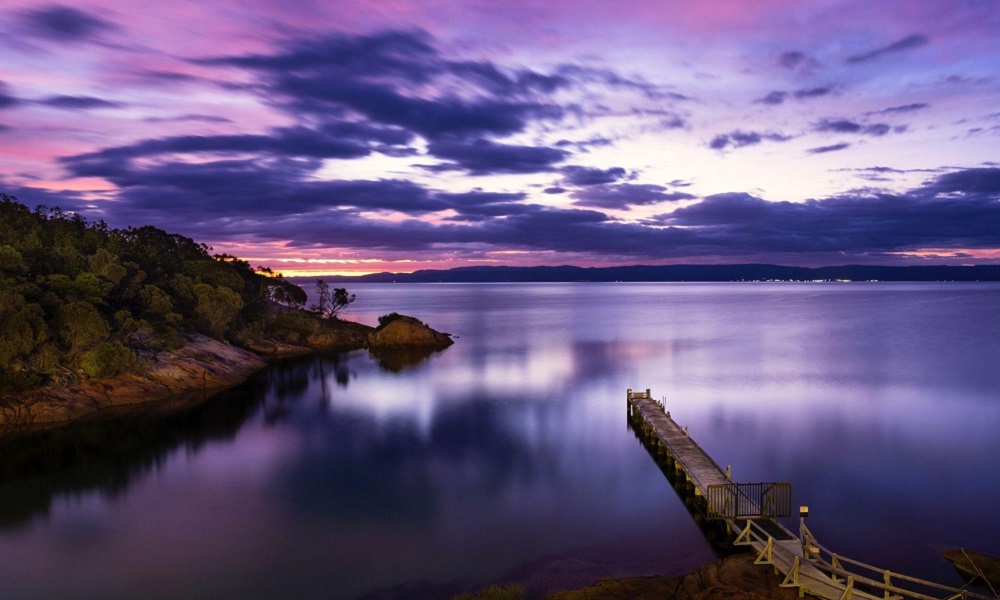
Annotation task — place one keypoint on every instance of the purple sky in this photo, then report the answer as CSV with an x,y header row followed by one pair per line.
x,y
323,136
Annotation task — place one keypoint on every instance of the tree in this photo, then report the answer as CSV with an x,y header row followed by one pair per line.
x,y
329,303
22,326
81,326
216,309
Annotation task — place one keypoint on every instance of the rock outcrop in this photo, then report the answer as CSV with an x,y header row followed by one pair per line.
x,y
201,364
206,364
975,566
340,335
407,332
731,578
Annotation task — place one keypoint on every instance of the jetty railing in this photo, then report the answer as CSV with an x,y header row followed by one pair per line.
x,y
890,583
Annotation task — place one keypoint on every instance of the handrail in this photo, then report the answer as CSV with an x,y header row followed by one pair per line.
x,y
835,567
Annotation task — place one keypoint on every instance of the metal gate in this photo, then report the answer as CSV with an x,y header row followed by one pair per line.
x,y
749,500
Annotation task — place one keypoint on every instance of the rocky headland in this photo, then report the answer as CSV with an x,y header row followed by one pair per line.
x,y
204,364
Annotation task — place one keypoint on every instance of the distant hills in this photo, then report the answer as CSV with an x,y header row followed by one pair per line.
x,y
708,273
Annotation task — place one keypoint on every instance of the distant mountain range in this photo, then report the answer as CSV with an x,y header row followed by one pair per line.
x,y
751,272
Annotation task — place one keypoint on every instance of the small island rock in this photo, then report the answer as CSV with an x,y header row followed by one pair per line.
x,y
406,332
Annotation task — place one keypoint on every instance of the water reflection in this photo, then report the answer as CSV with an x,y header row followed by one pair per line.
x,y
504,456
108,455
395,360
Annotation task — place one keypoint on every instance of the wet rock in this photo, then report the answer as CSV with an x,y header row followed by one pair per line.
x,y
406,332
975,566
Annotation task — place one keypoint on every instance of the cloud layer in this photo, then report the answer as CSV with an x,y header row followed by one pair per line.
x,y
657,134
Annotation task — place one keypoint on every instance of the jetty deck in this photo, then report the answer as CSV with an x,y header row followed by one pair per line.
x,y
748,513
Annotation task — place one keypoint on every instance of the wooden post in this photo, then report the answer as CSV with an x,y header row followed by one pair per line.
x,y
835,563
792,579
765,556
849,590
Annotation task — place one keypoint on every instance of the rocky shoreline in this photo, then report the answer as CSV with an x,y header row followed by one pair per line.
x,y
202,364
734,577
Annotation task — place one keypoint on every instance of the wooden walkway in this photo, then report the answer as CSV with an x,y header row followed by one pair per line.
x,y
804,563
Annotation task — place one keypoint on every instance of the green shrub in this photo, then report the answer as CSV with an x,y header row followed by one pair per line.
x,y
294,326
107,360
389,318
16,381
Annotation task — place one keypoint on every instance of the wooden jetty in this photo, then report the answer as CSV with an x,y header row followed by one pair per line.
x,y
748,514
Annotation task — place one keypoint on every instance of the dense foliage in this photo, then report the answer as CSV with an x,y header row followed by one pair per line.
x,y
80,299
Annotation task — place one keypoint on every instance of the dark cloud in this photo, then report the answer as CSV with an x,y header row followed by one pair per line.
x,y
791,59
838,125
625,195
855,224
964,80
65,24
360,131
845,126
812,92
334,140
230,192
78,102
281,201
555,190
6,99
673,122
880,129
483,157
905,108
832,148
192,118
968,181
908,43
577,175
778,97
586,145
478,198
774,98
384,77
4,128
799,62
478,205
580,74
740,139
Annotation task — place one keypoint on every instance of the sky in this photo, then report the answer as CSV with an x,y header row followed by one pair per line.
x,y
349,137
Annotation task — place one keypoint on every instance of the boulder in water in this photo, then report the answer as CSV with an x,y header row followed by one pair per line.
x,y
400,331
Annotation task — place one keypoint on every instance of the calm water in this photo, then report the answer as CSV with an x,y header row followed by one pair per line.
x,y
507,456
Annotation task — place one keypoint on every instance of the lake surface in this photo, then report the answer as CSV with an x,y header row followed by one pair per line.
x,y
507,456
